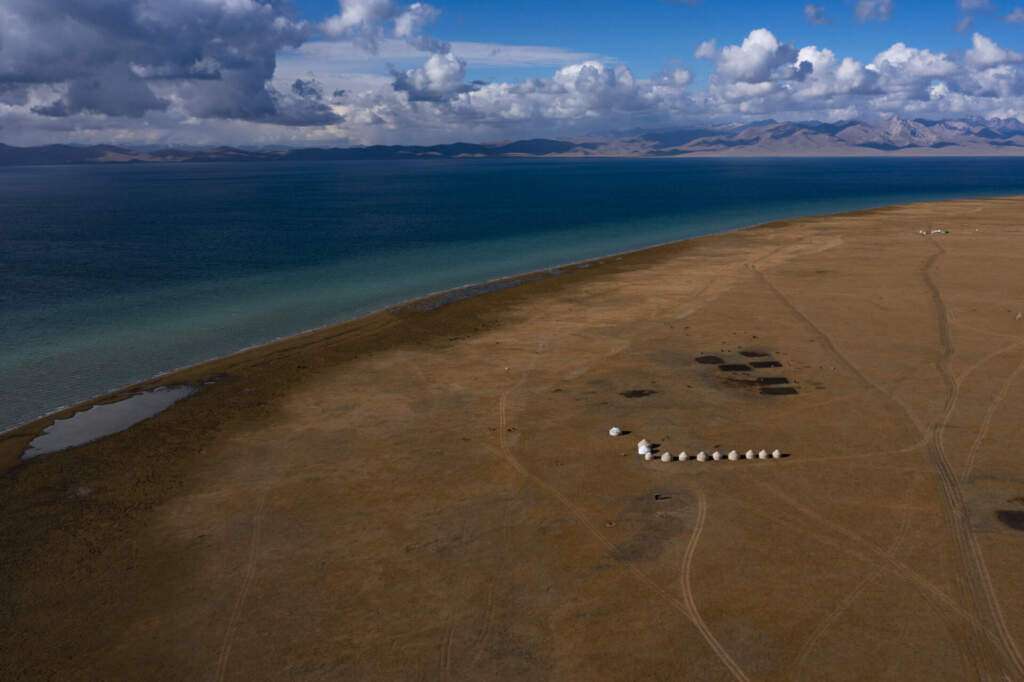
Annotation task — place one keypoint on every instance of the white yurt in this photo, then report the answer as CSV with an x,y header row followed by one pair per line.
x,y
683,456
763,454
615,431
734,456
776,454
665,457
648,456
643,447
750,454
702,456
716,455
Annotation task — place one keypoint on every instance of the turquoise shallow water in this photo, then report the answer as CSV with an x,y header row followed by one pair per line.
x,y
110,275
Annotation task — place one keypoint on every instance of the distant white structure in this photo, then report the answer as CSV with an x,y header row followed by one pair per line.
x,y
702,456
615,431
665,457
716,455
763,454
776,453
648,456
643,447
750,454
683,456
734,456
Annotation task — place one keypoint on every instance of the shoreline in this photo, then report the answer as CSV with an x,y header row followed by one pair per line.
x,y
35,426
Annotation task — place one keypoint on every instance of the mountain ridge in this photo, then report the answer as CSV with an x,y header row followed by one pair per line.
x,y
890,137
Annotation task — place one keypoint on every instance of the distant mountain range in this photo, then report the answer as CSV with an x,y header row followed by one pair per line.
x,y
893,137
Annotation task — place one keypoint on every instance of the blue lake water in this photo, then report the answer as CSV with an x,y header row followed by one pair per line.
x,y
112,274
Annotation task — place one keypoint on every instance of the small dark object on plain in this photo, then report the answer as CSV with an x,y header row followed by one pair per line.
x,y
637,393
734,368
779,390
710,360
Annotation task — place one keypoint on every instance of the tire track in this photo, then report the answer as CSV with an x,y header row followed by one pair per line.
x,y
685,580
972,455
973,578
832,348
973,573
446,651
869,553
247,577
854,594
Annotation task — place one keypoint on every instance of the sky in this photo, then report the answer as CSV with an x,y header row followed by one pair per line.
x,y
355,72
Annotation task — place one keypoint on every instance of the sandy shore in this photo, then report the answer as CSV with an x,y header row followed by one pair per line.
x,y
430,492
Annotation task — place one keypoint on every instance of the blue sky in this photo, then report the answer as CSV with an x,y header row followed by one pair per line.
x,y
647,34
348,72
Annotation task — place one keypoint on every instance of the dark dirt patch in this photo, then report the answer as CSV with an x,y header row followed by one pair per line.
x,y
753,354
1012,518
653,521
709,360
765,364
772,381
779,390
734,368
638,393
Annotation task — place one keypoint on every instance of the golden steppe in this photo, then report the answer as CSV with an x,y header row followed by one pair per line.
x,y
430,492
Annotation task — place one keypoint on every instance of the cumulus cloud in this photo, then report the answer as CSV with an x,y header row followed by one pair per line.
x,y
576,93
441,78
124,58
985,53
1016,16
901,62
873,10
587,96
762,75
760,58
411,26
368,22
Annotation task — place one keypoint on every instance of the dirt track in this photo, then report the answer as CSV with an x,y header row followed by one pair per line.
x,y
431,493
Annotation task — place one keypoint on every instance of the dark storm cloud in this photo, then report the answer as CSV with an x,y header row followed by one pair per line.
x,y
309,88
215,58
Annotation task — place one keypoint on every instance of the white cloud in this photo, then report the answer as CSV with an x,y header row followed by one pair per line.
x,y
706,50
757,59
985,53
1016,16
441,78
902,62
972,5
368,22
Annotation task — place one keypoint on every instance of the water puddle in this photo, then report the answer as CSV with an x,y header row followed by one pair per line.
x,y
103,420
